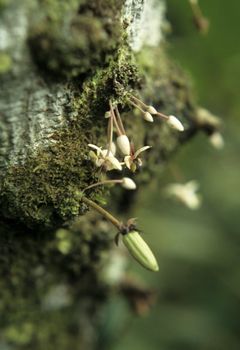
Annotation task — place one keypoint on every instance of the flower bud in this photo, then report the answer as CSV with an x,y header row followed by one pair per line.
x,y
140,251
124,144
113,148
128,183
148,117
175,123
151,110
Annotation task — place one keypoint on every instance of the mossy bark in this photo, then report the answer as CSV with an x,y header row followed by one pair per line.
x,y
60,64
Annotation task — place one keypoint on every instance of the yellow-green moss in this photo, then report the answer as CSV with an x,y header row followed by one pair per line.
x,y
5,62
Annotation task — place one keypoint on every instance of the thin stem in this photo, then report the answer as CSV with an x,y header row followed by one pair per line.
x,y
163,116
119,132
103,212
110,134
119,119
197,12
200,21
138,107
139,101
104,182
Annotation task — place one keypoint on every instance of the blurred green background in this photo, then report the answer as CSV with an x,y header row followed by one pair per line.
x,y
198,251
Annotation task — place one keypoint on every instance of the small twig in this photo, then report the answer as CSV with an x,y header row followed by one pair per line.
x,y
103,212
104,182
196,8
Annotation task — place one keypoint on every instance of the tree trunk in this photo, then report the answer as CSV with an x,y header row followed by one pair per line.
x,y
60,65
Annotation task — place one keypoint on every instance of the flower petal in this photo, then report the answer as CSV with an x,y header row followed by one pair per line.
x,y
98,149
115,162
128,161
191,200
99,162
140,150
216,140
105,153
192,186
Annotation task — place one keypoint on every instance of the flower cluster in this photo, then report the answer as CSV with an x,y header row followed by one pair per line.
x,y
107,159
104,158
116,156
149,113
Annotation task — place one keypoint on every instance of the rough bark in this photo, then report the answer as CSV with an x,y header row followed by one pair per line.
x,y
60,64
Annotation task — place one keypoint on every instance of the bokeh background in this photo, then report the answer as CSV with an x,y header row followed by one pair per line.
x,y
198,306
